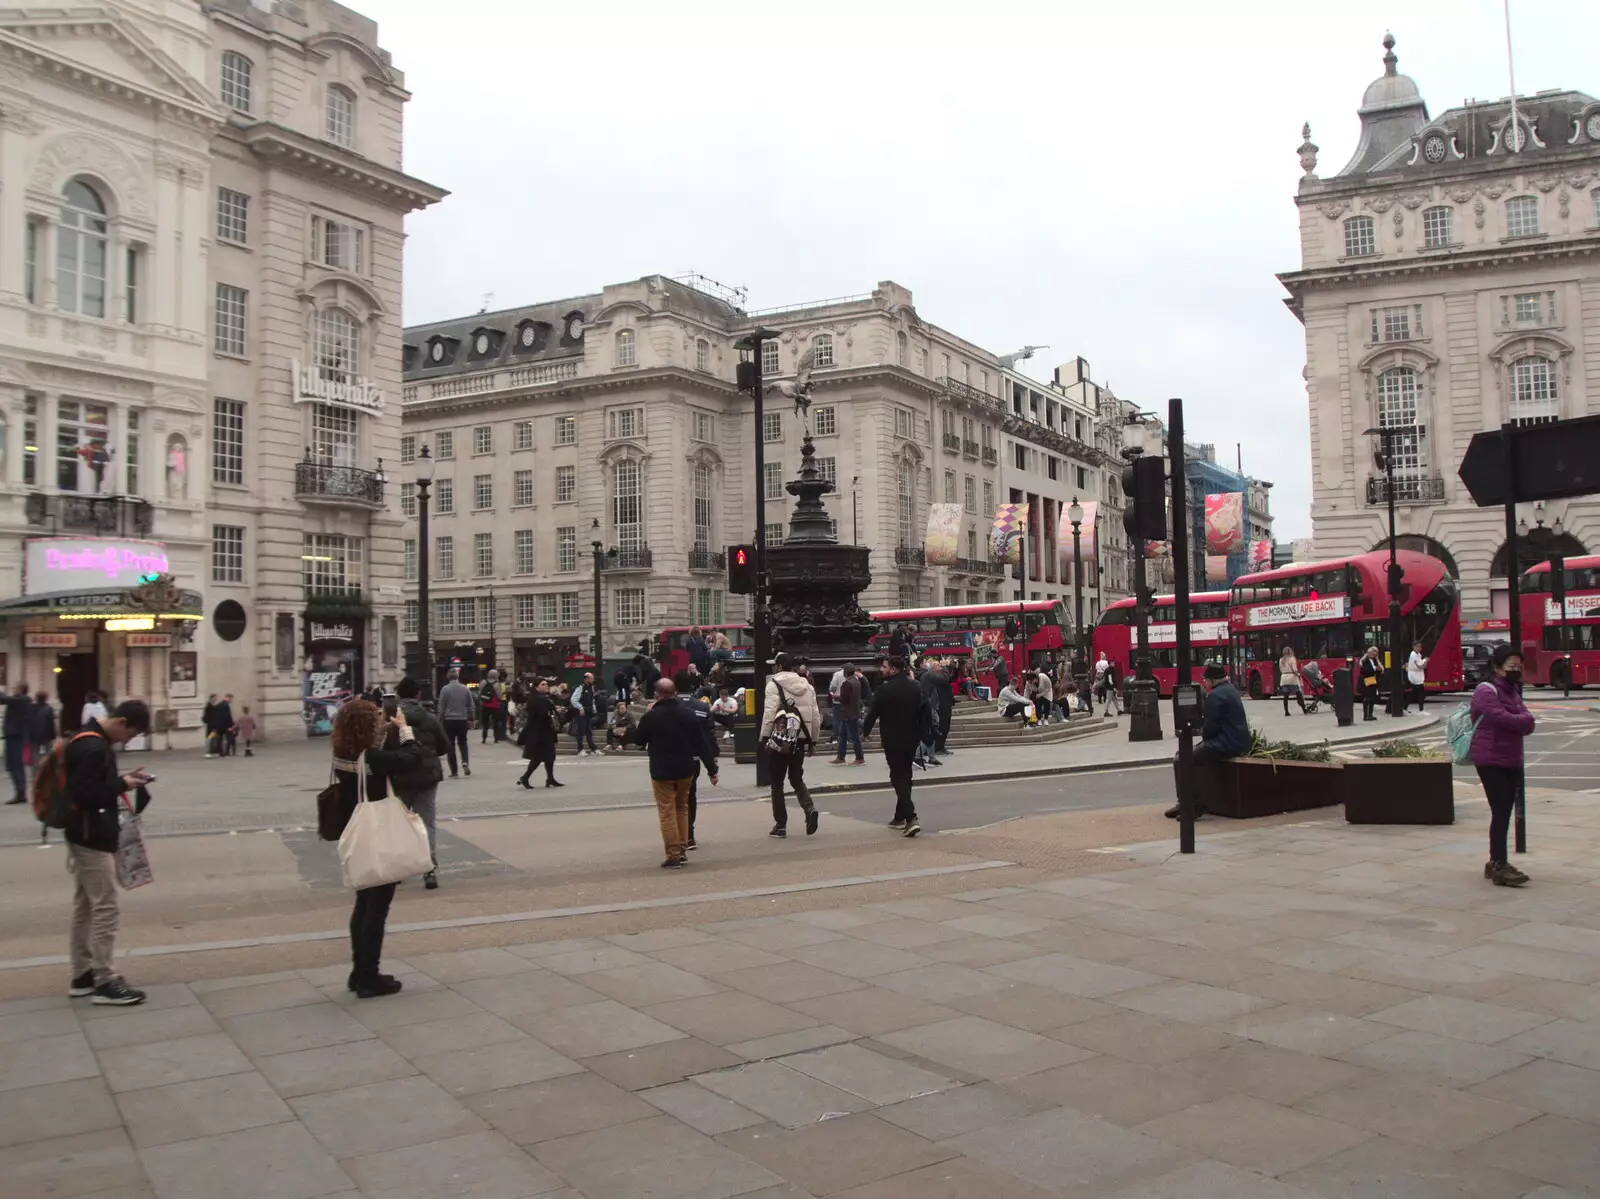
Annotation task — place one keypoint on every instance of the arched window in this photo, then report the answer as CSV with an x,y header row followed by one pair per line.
x,y
1438,226
908,504
336,345
627,506
236,84
1532,551
341,113
1522,216
1400,408
627,351
702,355
1533,391
822,350
702,508
81,251
1360,237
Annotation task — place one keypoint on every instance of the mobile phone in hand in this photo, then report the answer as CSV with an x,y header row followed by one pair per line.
x,y
391,705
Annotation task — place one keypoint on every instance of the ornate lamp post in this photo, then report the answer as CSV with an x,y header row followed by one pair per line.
x,y
1385,462
424,469
599,558
1075,516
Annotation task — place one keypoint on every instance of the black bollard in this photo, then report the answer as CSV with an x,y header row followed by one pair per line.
x,y
1344,697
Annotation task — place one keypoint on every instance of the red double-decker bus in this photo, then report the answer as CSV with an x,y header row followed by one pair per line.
x,y
1117,636
671,648
978,632
1329,612
1561,647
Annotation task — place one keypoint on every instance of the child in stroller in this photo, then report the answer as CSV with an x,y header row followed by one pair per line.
x,y
1317,689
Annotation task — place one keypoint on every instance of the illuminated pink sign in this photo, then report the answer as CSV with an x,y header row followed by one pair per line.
x,y
55,564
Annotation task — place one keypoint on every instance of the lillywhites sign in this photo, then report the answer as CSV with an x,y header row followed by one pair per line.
x,y
55,564
1199,630
1331,607
332,632
1580,605
355,392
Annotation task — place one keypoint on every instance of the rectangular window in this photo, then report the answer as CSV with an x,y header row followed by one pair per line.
x,y
521,435
130,286
444,445
567,549
482,554
771,426
1438,227
1360,237
408,499
340,113
522,612
1399,323
902,423
566,484
827,468
522,551
624,423
446,556
227,554
569,608
988,498
566,430
775,533
1522,216
774,480
130,452
228,334
482,492
1051,465
334,434
236,82
704,427
227,442
546,614
521,488
408,449
627,606
338,245
822,350
444,496
769,359
483,439
969,495
825,421
702,355
410,621
332,564
952,596
233,216
1021,455
79,426
30,261
410,557
1083,478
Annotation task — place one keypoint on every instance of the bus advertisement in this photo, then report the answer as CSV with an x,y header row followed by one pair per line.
x,y
1329,612
1561,641
1117,637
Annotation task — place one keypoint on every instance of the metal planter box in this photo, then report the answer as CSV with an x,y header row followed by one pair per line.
x,y
1399,791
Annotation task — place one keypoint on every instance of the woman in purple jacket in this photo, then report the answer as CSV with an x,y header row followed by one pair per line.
x,y
1500,722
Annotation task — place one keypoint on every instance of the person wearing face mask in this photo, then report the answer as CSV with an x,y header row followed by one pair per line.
x,y
1501,723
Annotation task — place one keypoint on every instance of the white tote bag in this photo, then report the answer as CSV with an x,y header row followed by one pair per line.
x,y
384,842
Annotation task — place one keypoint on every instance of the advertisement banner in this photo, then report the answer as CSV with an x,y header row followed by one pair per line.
x,y
943,542
1327,607
1086,534
1009,522
1158,549
1199,631
183,673
1260,554
57,564
1582,605
1216,571
1225,523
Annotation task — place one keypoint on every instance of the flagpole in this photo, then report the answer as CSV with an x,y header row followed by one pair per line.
x,y
1515,144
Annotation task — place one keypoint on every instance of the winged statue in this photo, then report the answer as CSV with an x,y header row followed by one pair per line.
x,y
798,389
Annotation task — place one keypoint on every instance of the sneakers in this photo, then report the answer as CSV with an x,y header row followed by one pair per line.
x,y
83,985
116,993
859,762
778,831
1504,874
831,762
691,844
467,770
430,881
912,828
812,817
674,863
899,826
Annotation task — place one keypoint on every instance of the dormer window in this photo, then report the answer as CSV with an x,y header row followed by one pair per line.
x,y
408,357
530,336
340,126
485,342
441,351
572,328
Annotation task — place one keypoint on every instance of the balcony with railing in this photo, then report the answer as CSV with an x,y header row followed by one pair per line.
x,y
707,560
969,448
991,455
1420,489
965,391
624,560
910,555
102,515
952,442
322,482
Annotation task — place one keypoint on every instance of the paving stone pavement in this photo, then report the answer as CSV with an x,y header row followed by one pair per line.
x,y
1305,1010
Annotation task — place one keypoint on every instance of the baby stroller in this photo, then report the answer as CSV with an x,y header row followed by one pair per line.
x,y
1316,689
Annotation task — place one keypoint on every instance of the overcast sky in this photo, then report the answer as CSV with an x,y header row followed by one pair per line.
x,y
1115,180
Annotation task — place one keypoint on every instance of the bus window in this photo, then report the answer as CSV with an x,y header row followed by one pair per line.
x,y
1340,642
1117,616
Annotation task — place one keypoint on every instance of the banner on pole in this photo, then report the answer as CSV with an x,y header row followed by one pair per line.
x,y
943,542
1009,522
1157,549
1217,570
1225,523
1086,534
1260,554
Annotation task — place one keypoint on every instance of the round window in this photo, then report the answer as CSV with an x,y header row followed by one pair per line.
x,y
228,619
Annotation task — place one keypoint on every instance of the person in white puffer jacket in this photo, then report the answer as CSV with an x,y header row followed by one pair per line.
x,y
787,748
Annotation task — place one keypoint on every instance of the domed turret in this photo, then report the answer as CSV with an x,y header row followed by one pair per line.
x,y
1392,113
1390,87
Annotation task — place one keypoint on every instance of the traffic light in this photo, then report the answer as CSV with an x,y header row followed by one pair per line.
x,y
1144,486
742,569
1397,580
1558,578
1013,631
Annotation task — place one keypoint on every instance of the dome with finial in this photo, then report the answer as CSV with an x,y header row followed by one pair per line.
x,y
1390,87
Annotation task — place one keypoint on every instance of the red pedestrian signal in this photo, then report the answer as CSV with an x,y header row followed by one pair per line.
x,y
741,570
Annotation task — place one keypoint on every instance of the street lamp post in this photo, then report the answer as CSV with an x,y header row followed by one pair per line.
x,y
1075,516
599,555
1397,695
751,343
424,644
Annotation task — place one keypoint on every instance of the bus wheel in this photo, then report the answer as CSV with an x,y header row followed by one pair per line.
x,y
1558,675
1255,685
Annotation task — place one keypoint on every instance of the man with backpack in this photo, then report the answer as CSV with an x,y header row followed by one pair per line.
x,y
79,790
790,726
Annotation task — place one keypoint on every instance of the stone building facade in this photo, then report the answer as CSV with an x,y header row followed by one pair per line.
x,y
1449,283
612,418
188,196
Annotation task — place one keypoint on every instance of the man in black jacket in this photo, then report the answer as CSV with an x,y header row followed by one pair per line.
x,y
95,786
692,700
675,739
419,790
17,707
895,708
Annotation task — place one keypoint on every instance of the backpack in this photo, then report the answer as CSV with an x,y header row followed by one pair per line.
x,y
1458,730
52,805
788,732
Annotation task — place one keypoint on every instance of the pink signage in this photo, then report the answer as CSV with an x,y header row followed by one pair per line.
x,y
56,564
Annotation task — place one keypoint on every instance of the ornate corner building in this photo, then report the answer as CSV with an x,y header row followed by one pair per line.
x,y
1449,283
201,217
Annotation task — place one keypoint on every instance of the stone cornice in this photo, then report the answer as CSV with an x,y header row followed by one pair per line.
x,y
325,163
37,58
1299,283
671,377
1474,174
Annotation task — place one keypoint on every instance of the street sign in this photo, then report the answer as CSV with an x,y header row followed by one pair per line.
x,y
1553,460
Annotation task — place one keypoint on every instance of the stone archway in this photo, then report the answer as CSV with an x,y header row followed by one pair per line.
x,y
1422,544
1529,554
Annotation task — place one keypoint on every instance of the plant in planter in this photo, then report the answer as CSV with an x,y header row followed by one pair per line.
x,y
1272,777
1401,783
